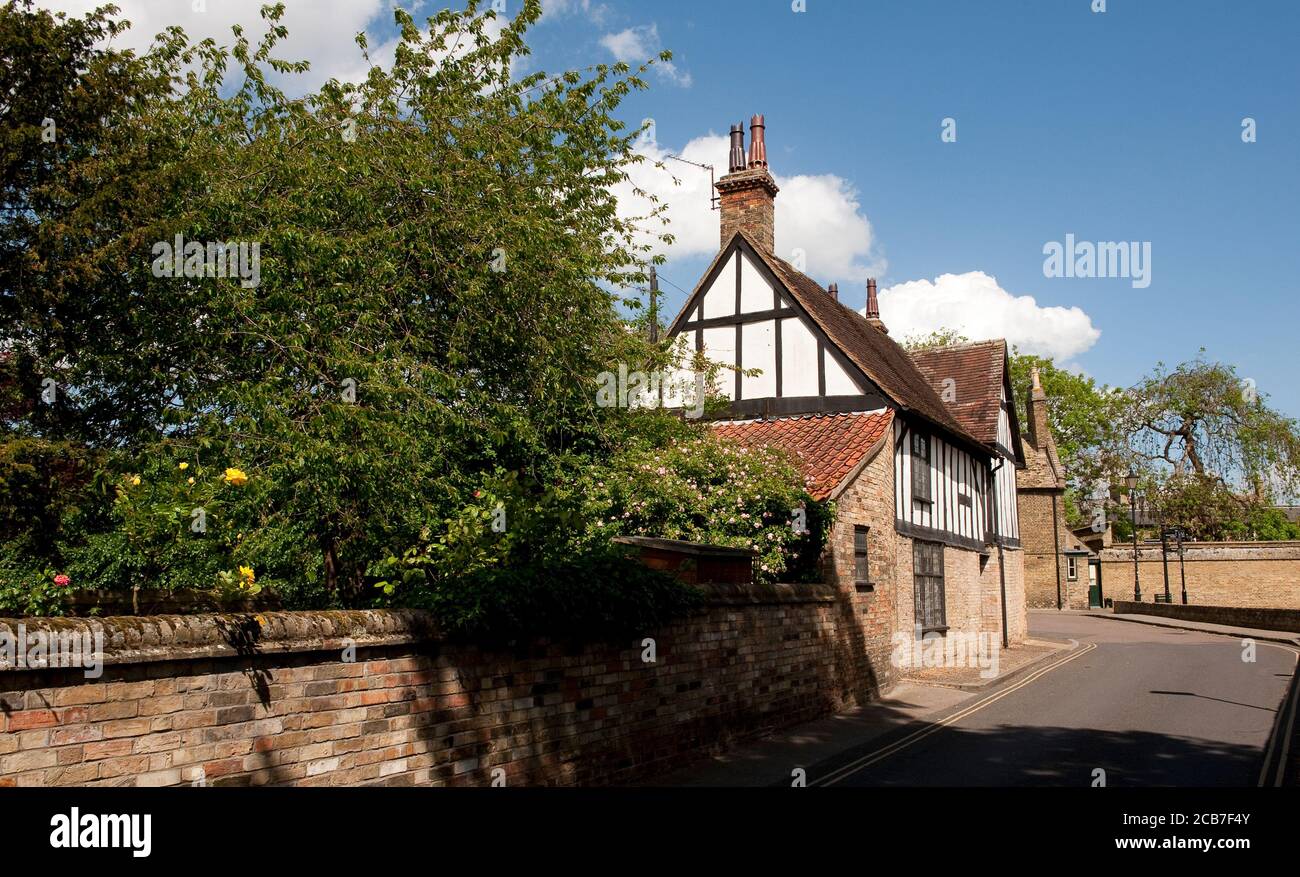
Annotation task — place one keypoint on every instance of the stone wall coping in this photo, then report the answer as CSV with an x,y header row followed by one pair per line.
x,y
1237,616
681,546
1203,551
130,639
158,638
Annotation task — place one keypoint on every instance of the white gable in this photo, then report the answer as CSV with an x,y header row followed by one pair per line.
x,y
720,298
766,332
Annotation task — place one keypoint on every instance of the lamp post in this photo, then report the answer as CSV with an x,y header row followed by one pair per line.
x,y
1181,571
1164,553
1131,482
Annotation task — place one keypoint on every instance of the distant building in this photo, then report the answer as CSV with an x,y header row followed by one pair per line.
x,y
1059,573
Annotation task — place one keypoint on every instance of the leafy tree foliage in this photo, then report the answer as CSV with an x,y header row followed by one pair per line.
x,y
1215,455
1082,416
411,358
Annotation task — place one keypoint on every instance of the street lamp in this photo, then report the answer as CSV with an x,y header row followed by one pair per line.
x,y
1131,482
1181,571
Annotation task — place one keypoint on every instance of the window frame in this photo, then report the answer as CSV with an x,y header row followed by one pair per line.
x,y
1071,568
928,584
861,555
921,450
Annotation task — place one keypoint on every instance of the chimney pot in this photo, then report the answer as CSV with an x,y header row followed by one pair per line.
x,y
834,290
736,158
757,142
873,307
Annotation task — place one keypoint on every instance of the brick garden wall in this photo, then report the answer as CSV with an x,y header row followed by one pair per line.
x,y
273,700
1235,616
1252,574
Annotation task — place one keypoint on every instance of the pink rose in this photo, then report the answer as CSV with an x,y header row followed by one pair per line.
x,y
62,580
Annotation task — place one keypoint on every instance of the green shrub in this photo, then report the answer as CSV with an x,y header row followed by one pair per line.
x,y
25,590
518,558
703,489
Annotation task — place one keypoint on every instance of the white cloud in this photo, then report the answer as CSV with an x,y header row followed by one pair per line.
x,y
819,214
974,304
636,45
322,31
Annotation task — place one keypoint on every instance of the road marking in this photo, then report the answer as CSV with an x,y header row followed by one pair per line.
x,y
933,728
1285,723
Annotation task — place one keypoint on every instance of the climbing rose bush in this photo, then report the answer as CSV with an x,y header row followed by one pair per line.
x,y
704,489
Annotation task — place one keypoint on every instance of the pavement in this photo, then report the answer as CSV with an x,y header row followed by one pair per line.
x,y
1011,663
1124,704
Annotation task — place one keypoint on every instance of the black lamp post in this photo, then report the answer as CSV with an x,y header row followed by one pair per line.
x,y
1131,482
1181,571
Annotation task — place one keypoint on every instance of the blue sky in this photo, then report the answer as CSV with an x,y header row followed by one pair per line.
x,y
1119,126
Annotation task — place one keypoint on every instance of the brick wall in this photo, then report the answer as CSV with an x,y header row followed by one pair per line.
x,y
972,591
273,700
746,202
1254,574
1040,562
1235,616
972,588
991,587
868,501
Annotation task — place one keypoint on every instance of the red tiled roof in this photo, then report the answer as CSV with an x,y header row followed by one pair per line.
x,y
827,447
976,371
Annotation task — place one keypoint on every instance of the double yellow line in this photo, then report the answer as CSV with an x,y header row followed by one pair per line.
x,y
1284,725
921,733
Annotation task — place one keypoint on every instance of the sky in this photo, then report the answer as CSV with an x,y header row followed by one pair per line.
x,y
1124,125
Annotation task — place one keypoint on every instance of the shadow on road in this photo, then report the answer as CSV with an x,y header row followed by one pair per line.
x,y
1036,756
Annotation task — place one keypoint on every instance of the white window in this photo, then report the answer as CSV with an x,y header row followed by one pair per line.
x,y
1072,568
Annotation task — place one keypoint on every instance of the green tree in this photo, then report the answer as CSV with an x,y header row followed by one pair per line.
x,y
944,337
1216,454
425,320
1082,416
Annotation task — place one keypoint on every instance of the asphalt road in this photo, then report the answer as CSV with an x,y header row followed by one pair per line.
x,y
1146,705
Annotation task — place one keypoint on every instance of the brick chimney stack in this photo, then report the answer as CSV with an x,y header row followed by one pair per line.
x,y
748,192
1036,409
873,307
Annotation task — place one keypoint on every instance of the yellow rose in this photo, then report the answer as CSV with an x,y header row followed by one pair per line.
x,y
189,480
135,480
183,466
236,477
